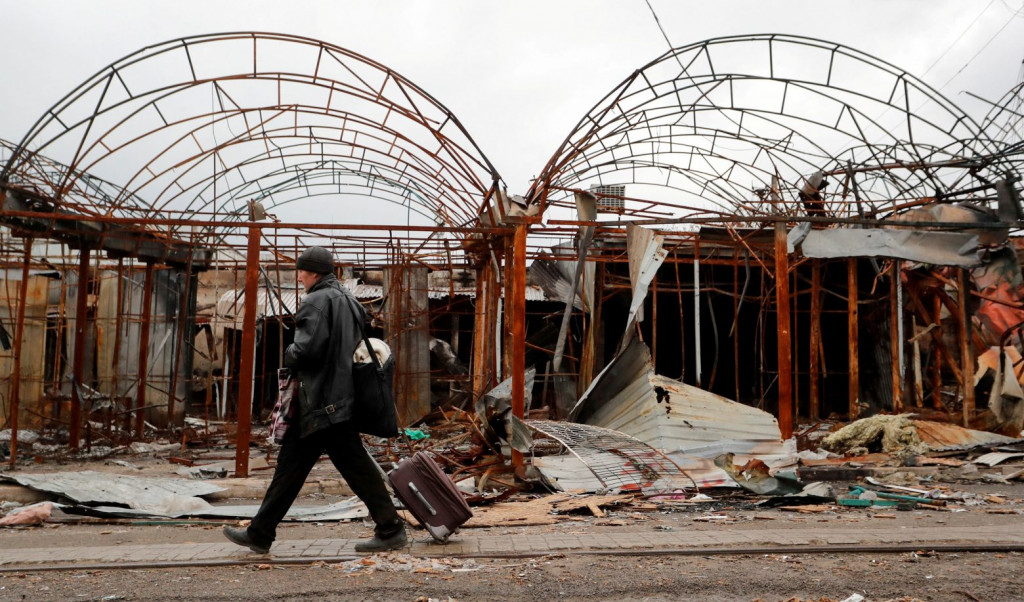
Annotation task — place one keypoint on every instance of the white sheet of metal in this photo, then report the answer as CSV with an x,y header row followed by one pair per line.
x,y
668,415
937,248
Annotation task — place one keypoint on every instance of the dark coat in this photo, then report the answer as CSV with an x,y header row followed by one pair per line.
x,y
326,335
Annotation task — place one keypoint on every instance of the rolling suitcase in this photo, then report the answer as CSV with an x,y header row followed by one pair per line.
x,y
429,495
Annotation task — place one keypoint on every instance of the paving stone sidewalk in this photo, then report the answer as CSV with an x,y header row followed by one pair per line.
x,y
466,544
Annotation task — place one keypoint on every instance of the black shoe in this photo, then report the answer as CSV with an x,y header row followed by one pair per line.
x,y
241,537
378,544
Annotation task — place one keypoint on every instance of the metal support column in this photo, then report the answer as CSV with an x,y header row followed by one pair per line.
x,y
516,306
81,332
815,350
895,338
784,344
18,339
853,326
248,356
147,316
966,349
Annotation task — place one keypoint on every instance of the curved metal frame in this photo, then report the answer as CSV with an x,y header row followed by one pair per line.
x,y
782,107
272,100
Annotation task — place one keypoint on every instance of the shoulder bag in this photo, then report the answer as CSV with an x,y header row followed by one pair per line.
x,y
373,411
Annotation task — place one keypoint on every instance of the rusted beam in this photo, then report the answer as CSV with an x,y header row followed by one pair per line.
x,y
19,337
118,326
895,316
588,362
918,378
815,347
143,366
483,361
81,332
853,325
735,327
517,305
248,356
183,323
507,309
966,349
784,344
937,351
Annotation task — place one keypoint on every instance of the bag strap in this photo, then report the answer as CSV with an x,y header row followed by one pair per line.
x,y
366,340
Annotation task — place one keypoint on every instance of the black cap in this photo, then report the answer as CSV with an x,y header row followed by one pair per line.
x,y
317,260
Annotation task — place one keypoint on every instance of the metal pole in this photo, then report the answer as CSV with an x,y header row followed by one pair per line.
x,y
895,338
784,349
966,355
815,351
853,330
18,339
78,366
696,314
143,367
248,356
118,326
517,304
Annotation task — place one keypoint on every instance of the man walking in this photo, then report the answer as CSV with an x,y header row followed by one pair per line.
x,y
326,335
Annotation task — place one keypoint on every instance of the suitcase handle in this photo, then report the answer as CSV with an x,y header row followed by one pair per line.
x,y
422,499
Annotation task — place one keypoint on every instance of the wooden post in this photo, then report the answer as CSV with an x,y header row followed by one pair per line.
x,y
81,333
516,305
854,335
247,361
19,338
815,347
966,350
784,349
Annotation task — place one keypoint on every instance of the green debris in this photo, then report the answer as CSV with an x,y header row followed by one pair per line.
x,y
416,434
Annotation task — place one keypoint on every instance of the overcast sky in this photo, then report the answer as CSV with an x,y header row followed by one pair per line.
x,y
519,75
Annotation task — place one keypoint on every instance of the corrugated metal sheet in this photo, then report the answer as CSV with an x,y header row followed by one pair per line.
x,y
941,436
646,255
936,248
668,415
232,303
170,497
553,281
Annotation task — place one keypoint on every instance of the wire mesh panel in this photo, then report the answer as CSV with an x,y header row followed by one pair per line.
x,y
619,461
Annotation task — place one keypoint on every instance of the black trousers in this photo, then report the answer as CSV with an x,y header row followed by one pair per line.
x,y
298,456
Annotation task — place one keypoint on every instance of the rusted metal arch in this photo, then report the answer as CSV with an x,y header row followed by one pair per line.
x,y
292,152
907,173
712,71
88,193
77,123
414,166
1005,120
733,197
272,188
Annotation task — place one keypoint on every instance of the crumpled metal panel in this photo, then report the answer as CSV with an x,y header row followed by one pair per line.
x,y
170,497
349,509
936,248
646,254
667,414
555,280
940,436
618,461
